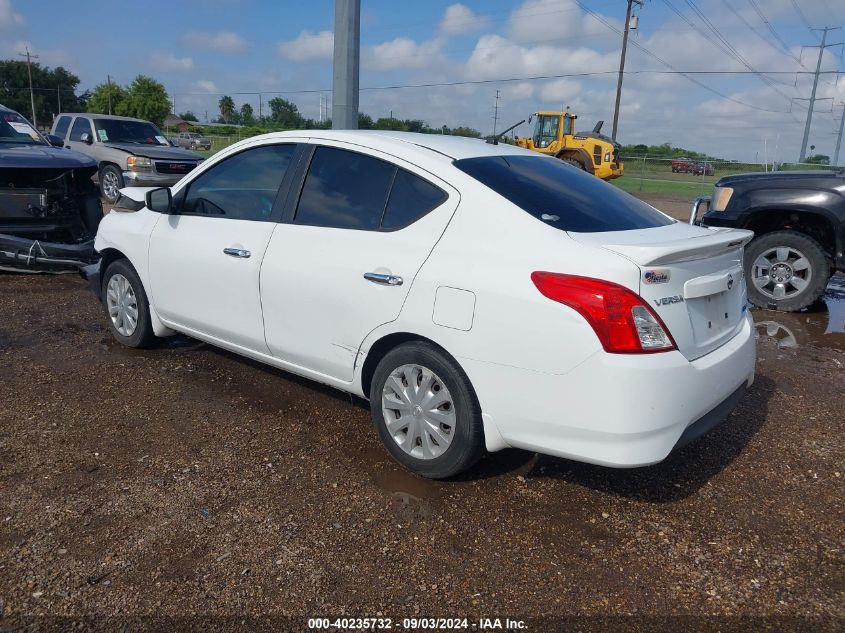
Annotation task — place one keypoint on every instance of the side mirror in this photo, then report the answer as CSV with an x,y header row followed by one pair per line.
x,y
54,140
159,200
86,138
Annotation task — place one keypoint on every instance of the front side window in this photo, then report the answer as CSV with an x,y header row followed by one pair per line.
x,y
344,190
241,187
80,126
61,126
562,196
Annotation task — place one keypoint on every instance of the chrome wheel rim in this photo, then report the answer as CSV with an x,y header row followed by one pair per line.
x,y
418,411
781,273
122,305
111,186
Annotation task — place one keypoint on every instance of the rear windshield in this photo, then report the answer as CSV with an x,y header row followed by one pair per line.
x,y
561,195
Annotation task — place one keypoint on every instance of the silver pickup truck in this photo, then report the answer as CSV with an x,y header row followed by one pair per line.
x,y
129,152
191,140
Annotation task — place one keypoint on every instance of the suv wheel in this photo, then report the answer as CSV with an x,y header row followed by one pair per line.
x,y
426,412
111,182
785,271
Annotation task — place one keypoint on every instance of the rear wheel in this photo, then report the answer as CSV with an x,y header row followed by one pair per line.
x,y
574,163
785,271
426,412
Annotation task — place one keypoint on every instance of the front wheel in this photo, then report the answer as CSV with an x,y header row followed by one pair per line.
x,y
126,305
785,271
426,412
111,182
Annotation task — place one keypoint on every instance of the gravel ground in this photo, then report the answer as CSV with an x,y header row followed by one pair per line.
x,y
185,480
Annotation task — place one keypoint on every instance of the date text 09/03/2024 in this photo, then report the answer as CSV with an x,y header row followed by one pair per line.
x,y
415,624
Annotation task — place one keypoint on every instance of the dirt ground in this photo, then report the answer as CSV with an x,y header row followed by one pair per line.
x,y
186,486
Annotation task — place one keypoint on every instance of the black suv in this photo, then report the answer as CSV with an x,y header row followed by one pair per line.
x,y
49,206
798,218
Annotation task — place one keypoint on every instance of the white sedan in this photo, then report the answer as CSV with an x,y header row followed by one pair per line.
x,y
480,296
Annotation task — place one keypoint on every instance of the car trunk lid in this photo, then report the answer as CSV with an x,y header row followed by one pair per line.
x,y
690,276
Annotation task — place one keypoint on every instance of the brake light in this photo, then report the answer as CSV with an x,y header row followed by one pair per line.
x,y
623,322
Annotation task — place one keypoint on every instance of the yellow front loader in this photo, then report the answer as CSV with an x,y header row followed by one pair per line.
x,y
554,134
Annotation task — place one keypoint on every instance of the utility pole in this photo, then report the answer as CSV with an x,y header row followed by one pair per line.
x,y
259,106
109,91
59,99
495,113
821,48
839,139
347,61
622,65
30,57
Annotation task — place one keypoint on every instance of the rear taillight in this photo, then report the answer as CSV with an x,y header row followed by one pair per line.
x,y
623,322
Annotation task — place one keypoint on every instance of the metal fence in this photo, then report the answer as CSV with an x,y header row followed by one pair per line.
x,y
690,178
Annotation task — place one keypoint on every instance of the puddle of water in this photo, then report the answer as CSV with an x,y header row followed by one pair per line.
x,y
816,328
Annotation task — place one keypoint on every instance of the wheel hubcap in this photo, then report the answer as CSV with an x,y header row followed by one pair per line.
x,y
110,185
781,273
122,305
418,411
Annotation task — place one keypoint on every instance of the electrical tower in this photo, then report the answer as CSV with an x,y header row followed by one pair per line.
x,y
495,113
30,57
839,138
821,48
347,60
622,65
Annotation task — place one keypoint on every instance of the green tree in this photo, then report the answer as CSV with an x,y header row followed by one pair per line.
x,y
389,123
365,121
227,108
247,115
464,131
818,159
98,102
146,99
285,114
51,86
188,116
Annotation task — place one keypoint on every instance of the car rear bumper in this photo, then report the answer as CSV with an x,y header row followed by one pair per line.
x,y
150,179
28,255
617,410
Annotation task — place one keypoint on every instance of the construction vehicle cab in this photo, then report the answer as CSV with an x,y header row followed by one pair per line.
x,y
554,134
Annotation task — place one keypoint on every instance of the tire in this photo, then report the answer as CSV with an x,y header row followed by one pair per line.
x,y
574,163
452,432
111,180
118,304
766,268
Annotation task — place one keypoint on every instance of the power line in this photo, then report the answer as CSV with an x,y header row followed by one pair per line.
x,y
802,17
768,24
821,48
668,65
780,50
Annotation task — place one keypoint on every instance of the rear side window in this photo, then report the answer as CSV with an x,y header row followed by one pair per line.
x,y
410,198
348,190
562,196
80,126
344,190
241,187
62,125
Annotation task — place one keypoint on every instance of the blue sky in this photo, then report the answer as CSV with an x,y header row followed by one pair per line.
x,y
202,48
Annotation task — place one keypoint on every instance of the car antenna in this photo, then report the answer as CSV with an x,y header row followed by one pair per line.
x,y
494,140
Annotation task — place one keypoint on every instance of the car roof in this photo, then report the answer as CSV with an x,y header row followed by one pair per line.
x,y
450,147
94,115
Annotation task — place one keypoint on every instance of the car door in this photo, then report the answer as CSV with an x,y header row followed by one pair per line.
x,y
205,258
343,261
81,125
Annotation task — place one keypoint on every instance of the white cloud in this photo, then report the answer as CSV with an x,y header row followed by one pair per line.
x,y
206,85
459,18
223,41
168,62
8,18
560,20
401,52
308,46
46,56
561,91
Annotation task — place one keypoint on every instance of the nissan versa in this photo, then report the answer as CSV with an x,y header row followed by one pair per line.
x,y
479,295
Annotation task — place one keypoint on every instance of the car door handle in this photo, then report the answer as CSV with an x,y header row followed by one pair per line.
x,y
383,279
237,252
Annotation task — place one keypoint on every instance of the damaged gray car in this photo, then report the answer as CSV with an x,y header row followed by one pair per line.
x,y
49,205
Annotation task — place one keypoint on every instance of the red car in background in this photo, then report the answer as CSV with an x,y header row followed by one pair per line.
x,y
682,166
